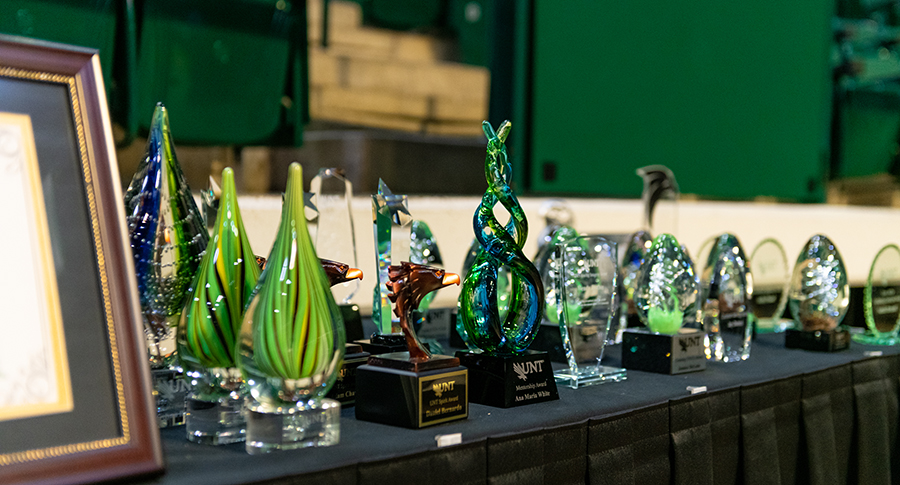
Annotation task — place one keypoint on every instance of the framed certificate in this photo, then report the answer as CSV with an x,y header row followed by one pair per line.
x,y
75,399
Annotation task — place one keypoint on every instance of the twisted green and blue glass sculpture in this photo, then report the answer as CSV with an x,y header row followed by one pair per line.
x,y
292,340
168,238
502,248
210,324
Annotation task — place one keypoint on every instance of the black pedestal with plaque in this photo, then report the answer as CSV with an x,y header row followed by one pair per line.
x,y
352,321
344,389
664,354
509,380
392,390
817,340
384,344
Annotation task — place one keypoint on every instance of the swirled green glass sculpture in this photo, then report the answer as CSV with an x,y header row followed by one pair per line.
x,y
210,323
502,248
292,340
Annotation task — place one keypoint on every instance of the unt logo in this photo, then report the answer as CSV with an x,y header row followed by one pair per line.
x,y
442,387
687,343
522,369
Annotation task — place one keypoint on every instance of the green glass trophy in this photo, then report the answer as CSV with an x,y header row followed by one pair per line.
x,y
504,373
393,231
881,303
818,298
291,341
667,302
585,304
771,277
726,286
415,388
168,239
209,326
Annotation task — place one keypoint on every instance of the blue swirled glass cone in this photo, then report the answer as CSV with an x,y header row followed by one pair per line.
x,y
479,307
667,293
727,286
820,292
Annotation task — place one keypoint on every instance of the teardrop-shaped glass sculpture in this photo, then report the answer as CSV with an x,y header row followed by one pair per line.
x,y
881,300
629,278
727,286
820,293
292,340
667,294
210,324
771,278
168,238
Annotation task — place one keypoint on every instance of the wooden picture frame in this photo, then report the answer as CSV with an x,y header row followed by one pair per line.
x,y
104,423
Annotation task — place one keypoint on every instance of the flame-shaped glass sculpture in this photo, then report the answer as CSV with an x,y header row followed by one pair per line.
x,y
335,237
210,325
629,277
585,281
727,285
479,308
393,226
881,300
292,340
771,277
819,294
667,294
168,238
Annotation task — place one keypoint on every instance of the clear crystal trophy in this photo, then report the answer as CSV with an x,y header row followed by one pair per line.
x,y
585,286
393,231
727,286
771,277
660,197
818,298
629,276
334,235
881,303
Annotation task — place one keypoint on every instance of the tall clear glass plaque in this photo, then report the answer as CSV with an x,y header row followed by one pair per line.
x,y
727,286
585,284
881,300
333,233
393,227
771,277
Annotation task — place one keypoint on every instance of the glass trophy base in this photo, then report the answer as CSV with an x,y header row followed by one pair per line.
x,y
290,426
505,381
869,339
218,422
399,394
818,340
169,391
664,354
344,388
589,376
774,326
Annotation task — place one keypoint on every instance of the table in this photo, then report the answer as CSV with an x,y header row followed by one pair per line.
x,y
783,416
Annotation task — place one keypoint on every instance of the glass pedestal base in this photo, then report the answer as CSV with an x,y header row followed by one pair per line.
x,y
217,422
774,326
869,339
169,391
290,426
589,376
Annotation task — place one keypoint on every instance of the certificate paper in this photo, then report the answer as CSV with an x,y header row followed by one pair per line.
x,y
34,371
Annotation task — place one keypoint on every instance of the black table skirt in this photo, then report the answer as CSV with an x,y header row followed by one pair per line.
x,y
781,417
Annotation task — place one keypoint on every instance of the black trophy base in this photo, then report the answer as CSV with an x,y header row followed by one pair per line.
x,y
508,381
352,321
664,354
383,344
817,340
549,340
409,399
344,389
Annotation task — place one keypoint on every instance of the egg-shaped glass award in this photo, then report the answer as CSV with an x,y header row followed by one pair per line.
x,y
667,294
727,285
